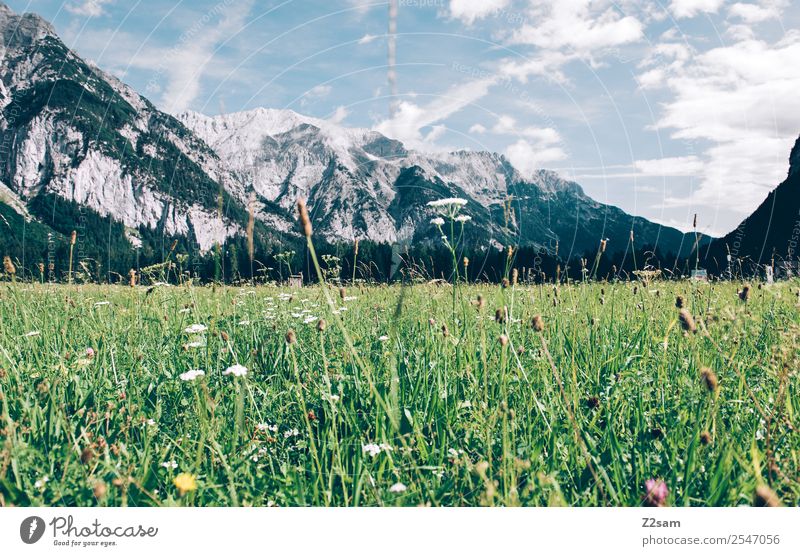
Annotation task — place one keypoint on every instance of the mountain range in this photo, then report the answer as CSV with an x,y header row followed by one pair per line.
x,y
80,149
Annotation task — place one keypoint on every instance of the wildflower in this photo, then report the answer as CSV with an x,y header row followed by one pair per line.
x,y
463,218
41,482
687,321
86,455
185,482
656,493
503,340
438,221
398,487
765,497
244,323
151,422
169,464
90,353
196,329
102,303
263,427
309,320
383,338
191,375
448,206
709,379
235,370
375,449
290,433
195,344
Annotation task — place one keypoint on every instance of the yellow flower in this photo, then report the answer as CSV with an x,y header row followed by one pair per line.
x,y
185,482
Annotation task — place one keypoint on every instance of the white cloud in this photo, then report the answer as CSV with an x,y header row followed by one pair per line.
x,y
756,13
739,104
469,11
411,118
88,8
580,26
366,39
671,166
527,157
477,129
192,57
339,115
690,8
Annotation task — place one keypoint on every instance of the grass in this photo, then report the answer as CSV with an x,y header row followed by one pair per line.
x,y
383,408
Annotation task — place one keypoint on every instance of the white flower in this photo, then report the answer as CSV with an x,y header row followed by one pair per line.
x,y
32,334
192,374
151,422
290,433
398,487
170,464
101,303
308,320
196,329
235,370
195,344
463,218
350,298
41,482
267,427
383,338
438,221
375,449
244,323
447,203
184,311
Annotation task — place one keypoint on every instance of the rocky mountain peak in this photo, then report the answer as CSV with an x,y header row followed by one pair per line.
x,y
22,30
794,159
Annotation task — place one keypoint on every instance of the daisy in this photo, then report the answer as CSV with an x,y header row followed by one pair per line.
x,y
189,376
235,370
196,329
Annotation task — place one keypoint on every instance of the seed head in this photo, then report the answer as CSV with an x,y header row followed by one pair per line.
x,y
8,266
321,325
445,331
86,455
342,293
305,221
291,337
500,315
744,294
503,340
687,321
505,283
705,438
765,497
514,276
679,302
537,323
73,238
709,379
481,303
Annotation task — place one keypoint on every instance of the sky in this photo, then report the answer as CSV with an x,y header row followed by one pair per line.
x,y
664,108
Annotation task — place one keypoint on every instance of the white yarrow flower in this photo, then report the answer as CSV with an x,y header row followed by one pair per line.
x,y
383,338
438,221
196,329
398,487
235,370
463,218
192,374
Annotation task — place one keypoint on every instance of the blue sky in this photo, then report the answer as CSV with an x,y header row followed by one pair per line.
x,y
664,108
